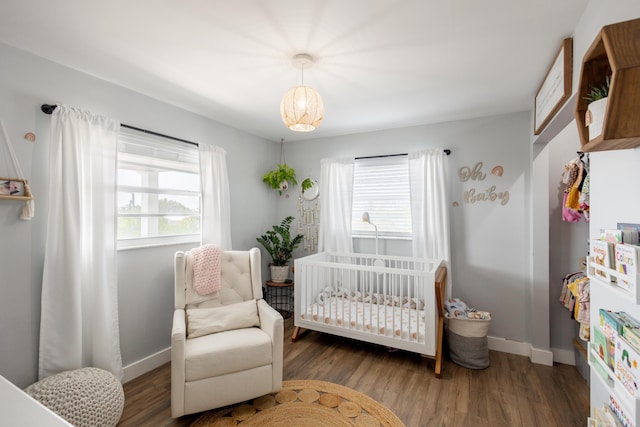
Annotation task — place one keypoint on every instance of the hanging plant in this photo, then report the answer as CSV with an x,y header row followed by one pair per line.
x,y
280,178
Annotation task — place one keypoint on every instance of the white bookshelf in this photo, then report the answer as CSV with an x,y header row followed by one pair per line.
x,y
608,296
629,294
630,403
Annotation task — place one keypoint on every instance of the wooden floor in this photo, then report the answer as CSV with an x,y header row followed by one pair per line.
x,y
511,392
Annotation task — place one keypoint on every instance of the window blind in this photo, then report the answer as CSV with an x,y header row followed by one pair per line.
x,y
381,187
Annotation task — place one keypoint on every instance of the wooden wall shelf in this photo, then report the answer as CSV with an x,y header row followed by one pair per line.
x,y
23,192
24,198
615,52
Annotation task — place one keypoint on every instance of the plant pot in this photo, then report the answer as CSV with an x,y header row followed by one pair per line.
x,y
594,117
279,273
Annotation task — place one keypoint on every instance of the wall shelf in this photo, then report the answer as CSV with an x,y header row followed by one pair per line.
x,y
629,294
20,185
615,52
24,198
630,403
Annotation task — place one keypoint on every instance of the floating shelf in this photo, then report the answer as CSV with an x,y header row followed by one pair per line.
x,y
629,402
615,52
23,186
25,198
632,295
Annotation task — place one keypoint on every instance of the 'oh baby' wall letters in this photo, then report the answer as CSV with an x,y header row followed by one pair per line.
x,y
490,194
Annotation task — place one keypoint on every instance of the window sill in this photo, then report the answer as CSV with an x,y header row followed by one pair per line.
x,y
149,243
382,237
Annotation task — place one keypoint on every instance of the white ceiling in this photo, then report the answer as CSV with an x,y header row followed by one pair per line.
x,y
380,63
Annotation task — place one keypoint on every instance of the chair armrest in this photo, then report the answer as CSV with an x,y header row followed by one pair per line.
x,y
178,337
179,328
272,323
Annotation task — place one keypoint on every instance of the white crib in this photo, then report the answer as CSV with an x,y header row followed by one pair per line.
x,y
392,301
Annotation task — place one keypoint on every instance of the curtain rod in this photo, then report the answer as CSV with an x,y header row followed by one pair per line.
x,y
446,151
48,109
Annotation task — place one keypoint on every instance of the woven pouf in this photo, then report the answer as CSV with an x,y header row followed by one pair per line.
x,y
88,397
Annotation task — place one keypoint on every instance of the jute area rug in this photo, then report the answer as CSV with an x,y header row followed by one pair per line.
x,y
304,403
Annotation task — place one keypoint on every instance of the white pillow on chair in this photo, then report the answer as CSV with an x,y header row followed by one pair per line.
x,y
204,321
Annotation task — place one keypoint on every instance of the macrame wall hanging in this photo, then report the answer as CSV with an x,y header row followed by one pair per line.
x,y
309,210
16,188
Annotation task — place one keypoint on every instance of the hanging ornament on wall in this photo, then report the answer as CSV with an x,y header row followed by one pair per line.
x,y
309,210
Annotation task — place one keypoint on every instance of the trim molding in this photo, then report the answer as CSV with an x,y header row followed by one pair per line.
x,y
536,355
149,363
541,357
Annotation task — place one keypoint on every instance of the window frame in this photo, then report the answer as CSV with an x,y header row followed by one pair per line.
x,y
152,153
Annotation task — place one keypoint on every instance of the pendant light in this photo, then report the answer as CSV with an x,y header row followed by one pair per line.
x,y
302,109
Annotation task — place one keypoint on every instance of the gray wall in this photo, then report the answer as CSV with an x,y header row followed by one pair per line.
x,y
567,240
489,241
145,275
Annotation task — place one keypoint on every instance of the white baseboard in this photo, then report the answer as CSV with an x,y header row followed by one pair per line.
x,y
147,364
542,357
508,346
536,355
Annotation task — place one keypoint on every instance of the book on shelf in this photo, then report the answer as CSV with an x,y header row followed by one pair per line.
x,y
626,262
630,233
627,366
620,413
603,346
602,255
605,417
632,335
613,322
612,236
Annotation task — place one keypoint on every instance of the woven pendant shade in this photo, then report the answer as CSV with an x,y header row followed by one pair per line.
x,y
302,109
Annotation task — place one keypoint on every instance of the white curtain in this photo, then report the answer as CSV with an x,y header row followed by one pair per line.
x,y
79,314
430,207
336,195
216,216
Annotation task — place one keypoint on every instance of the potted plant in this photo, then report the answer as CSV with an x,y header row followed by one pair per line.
x,y
596,108
280,178
280,246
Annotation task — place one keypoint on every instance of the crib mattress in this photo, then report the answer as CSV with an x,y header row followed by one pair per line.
x,y
379,319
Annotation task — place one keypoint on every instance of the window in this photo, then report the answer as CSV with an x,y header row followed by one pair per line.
x,y
158,190
381,187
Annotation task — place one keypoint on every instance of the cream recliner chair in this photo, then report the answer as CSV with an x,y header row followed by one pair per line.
x,y
210,370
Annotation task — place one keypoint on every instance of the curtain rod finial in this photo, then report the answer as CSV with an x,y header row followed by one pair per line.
x,y
47,109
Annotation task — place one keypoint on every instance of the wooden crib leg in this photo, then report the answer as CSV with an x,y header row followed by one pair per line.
x,y
296,333
440,287
439,348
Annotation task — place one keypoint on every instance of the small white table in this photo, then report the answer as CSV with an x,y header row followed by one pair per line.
x,y
19,409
